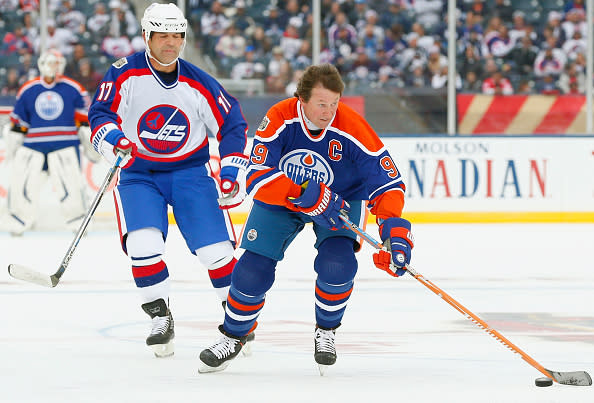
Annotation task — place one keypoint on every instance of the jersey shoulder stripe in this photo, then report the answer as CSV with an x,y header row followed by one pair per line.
x,y
279,115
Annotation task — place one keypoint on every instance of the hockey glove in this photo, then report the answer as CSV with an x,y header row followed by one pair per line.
x,y
398,240
84,136
321,204
233,171
115,141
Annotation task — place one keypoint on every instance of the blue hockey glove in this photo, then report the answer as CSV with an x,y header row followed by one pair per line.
x,y
398,240
233,171
321,204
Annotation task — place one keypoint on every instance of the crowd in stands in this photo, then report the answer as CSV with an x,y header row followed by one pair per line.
x,y
530,47
91,34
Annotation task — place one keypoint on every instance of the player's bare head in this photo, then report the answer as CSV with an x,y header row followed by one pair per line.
x,y
325,75
51,64
164,19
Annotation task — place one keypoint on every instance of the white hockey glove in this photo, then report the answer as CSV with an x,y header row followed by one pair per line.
x,y
233,172
13,139
109,140
84,135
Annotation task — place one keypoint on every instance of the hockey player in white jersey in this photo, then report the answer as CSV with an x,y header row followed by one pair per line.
x,y
156,108
43,135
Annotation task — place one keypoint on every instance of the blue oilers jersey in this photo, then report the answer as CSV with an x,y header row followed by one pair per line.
x,y
50,113
347,156
167,122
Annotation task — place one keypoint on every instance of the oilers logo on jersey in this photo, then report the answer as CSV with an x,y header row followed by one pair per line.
x,y
163,129
49,105
301,165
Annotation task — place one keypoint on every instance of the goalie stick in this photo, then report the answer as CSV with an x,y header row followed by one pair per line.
x,y
27,274
575,378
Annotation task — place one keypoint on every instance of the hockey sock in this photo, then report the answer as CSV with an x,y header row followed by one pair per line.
x,y
151,277
220,276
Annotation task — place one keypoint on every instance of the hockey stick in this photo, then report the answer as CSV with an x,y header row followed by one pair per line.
x,y
27,274
576,378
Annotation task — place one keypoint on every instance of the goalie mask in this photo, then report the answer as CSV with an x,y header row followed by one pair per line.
x,y
51,64
163,18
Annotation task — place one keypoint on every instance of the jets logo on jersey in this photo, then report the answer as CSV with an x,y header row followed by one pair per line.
x,y
49,105
301,165
163,129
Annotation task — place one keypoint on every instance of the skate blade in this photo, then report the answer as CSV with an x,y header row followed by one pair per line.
x,y
246,350
205,369
322,369
163,350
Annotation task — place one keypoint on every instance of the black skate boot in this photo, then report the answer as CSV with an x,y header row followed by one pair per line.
x,y
324,350
217,357
247,348
162,333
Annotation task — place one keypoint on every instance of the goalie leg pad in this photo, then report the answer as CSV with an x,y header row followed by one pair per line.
x,y
65,174
23,191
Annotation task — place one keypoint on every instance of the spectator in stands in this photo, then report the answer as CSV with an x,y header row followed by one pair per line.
x,y
428,13
122,21
412,56
8,6
524,88
549,61
329,17
27,68
98,23
574,5
547,85
472,62
577,44
502,9
86,75
357,15
418,78
11,86
279,72
16,43
394,42
574,21
471,83
275,22
290,41
250,67
478,8
342,36
497,84
58,38
30,29
261,43
524,56
496,41
213,24
364,69
520,28
244,23
553,27
230,48
572,81
78,53
71,19
296,16
423,40
436,61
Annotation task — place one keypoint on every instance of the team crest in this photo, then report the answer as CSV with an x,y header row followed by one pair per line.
x,y
252,235
163,129
264,124
120,62
49,105
301,165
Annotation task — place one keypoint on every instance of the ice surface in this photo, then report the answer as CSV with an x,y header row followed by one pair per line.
x,y
83,341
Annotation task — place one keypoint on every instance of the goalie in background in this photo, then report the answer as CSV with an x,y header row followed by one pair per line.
x,y
43,137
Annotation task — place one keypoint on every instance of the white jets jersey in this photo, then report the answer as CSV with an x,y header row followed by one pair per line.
x,y
167,122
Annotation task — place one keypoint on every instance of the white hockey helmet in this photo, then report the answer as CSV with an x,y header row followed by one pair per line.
x,y
51,63
163,18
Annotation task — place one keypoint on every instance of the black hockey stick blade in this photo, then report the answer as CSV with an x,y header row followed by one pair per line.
x,y
575,378
27,274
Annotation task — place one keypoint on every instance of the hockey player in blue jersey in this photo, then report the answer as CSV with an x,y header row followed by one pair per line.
x,y
43,136
156,108
313,158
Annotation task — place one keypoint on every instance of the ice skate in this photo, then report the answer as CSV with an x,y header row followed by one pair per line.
x,y
325,352
246,350
162,332
217,357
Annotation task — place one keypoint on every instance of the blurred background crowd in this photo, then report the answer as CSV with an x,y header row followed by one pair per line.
x,y
530,47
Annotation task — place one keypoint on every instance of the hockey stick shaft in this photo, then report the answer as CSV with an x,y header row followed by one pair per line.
x,y
580,378
27,274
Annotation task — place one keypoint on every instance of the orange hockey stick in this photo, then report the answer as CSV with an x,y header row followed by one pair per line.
x,y
576,378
